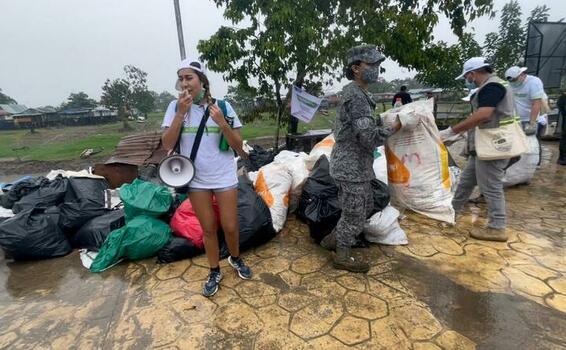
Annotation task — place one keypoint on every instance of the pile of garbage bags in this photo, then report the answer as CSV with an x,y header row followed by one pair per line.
x,y
301,183
53,217
48,214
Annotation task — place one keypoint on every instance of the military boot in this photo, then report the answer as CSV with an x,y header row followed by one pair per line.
x,y
489,234
343,260
329,241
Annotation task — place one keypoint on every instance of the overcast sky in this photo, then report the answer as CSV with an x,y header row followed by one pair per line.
x,y
50,48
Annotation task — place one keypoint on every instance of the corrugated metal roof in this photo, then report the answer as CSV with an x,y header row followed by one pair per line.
x,y
47,109
30,112
13,109
135,149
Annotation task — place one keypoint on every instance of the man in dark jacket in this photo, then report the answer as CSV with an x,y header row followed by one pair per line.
x,y
403,95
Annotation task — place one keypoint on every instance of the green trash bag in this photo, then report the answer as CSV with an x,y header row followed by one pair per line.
x,y
141,238
144,198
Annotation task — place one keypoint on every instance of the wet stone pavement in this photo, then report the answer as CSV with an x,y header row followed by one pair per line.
x,y
442,291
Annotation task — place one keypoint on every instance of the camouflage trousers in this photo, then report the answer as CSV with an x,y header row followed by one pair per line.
x,y
356,199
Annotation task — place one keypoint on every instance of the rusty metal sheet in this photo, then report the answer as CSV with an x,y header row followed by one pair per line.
x,y
135,149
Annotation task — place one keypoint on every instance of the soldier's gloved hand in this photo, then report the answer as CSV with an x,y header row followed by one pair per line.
x,y
448,134
408,121
531,129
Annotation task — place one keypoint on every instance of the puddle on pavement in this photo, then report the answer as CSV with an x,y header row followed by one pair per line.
x,y
275,281
491,320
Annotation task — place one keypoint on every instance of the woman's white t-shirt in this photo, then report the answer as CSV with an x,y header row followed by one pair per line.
x,y
214,168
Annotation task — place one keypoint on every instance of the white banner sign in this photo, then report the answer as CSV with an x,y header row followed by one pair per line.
x,y
304,105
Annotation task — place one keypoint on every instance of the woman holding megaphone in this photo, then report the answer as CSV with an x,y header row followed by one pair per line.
x,y
207,130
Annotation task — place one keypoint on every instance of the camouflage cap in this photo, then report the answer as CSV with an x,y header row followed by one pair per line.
x,y
364,53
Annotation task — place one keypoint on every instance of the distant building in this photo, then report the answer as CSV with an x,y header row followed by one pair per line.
x,y
87,116
8,110
36,117
19,116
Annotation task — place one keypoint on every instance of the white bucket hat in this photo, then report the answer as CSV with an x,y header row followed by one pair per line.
x,y
195,65
472,64
514,72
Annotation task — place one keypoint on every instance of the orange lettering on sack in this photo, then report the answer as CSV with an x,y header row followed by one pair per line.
x,y
286,200
325,143
397,172
263,190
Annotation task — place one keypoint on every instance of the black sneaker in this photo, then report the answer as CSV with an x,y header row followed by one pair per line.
x,y
243,270
211,286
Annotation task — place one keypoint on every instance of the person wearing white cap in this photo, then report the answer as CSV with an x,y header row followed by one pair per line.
x,y
492,103
528,92
215,168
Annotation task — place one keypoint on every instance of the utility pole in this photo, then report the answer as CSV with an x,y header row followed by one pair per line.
x,y
180,29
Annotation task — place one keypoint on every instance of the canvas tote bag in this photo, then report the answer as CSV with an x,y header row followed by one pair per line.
x,y
506,141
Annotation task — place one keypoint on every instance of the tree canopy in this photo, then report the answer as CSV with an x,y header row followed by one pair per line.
x,y
5,99
129,92
279,42
506,47
79,100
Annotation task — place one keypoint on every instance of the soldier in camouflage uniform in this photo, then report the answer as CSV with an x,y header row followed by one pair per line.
x,y
357,134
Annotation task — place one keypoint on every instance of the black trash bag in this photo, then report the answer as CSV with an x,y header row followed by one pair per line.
x,y
178,199
381,196
33,234
49,194
258,157
319,206
76,214
92,234
178,248
86,188
254,218
20,190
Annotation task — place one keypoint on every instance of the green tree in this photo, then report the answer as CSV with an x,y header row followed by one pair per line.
x,y
278,42
79,100
540,13
124,94
5,99
243,98
453,56
162,100
506,47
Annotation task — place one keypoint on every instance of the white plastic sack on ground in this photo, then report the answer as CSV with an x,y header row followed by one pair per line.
x,y
380,164
417,165
383,228
323,147
273,184
87,257
6,213
523,171
69,173
296,164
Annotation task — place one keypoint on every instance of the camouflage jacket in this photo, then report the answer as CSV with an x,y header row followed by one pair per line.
x,y
357,134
